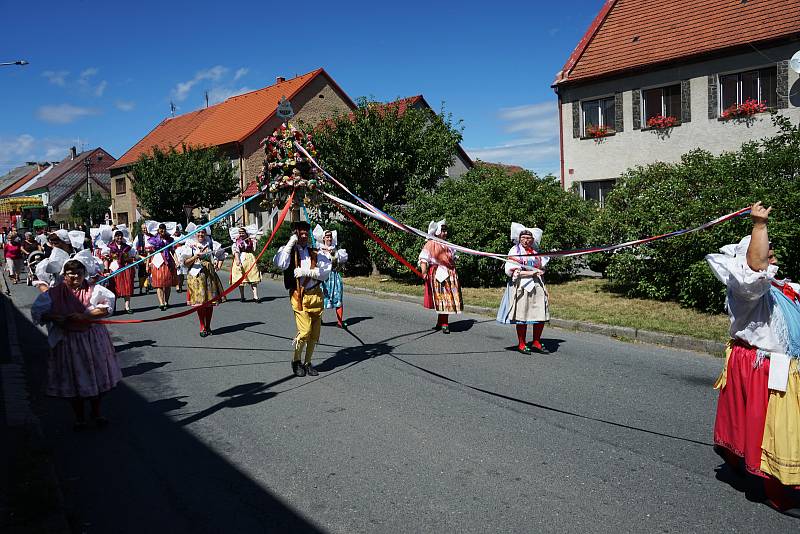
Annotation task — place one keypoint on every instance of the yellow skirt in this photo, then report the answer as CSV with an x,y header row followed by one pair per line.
x,y
248,260
780,448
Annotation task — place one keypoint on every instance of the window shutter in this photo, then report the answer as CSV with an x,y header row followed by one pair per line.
x,y
637,109
713,104
686,101
618,123
783,84
576,119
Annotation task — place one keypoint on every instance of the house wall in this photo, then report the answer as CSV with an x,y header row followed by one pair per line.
x,y
589,160
127,202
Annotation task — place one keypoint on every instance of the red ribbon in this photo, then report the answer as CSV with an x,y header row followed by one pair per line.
x,y
789,291
211,302
380,241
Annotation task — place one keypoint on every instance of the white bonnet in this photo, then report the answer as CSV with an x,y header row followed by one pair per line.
x,y
517,229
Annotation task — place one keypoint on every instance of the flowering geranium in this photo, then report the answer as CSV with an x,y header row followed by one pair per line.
x,y
660,122
596,132
746,109
287,169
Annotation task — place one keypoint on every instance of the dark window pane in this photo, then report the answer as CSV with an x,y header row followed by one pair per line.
x,y
608,113
591,114
749,86
672,101
597,191
652,103
769,86
727,85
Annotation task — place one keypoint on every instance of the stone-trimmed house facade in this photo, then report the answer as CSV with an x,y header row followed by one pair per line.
x,y
691,65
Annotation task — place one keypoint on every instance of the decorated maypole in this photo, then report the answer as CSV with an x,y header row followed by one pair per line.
x,y
286,169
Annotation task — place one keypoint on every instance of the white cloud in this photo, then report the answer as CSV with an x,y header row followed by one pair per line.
x,y
56,77
539,121
182,89
125,105
240,73
101,88
88,73
16,150
219,94
63,113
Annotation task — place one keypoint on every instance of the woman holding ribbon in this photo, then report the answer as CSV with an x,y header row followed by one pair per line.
x,y
202,282
162,265
333,287
244,261
82,364
120,254
526,300
438,265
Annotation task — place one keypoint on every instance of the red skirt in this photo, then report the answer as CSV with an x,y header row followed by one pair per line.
x,y
163,276
123,283
742,407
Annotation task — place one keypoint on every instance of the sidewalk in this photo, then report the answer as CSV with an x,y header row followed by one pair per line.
x,y
30,496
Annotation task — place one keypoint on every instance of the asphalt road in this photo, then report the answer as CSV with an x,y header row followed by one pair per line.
x,y
404,430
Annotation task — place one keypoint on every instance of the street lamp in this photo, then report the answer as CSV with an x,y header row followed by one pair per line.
x,y
88,163
19,62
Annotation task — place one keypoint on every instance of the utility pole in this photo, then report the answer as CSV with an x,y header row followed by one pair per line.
x,y
88,163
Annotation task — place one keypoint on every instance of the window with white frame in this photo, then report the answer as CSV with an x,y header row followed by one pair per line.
x,y
598,114
664,101
597,190
760,85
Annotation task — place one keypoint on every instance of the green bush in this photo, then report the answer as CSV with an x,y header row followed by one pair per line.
x,y
479,208
663,197
265,264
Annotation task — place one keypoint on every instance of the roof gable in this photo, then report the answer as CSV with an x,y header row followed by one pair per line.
x,y
632,34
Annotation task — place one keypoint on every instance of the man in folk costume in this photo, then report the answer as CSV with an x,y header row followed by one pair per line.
x,y
525,301
757,426
303,272
333,287
438,265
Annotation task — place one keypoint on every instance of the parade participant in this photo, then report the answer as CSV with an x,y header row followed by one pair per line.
x,y
120,254
141,249
82,364
180,268
202,282
161,266
333,287
757,424
525,300
303,271
12,251
244,261
29,246
63,246
438,265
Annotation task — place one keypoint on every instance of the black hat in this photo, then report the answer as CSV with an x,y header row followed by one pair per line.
x,y
301,225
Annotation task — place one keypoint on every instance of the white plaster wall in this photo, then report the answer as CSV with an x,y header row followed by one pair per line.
x,y
607,159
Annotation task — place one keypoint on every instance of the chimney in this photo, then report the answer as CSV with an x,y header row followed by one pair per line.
x,y
73,152
280,79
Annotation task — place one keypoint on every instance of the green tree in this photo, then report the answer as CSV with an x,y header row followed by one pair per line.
x,y
93,210
166,181
388,154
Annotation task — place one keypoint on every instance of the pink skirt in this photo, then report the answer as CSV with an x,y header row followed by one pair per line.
x,y
83,364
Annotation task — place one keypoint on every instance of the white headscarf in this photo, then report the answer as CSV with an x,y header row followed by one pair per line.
x,y
76,238
517,229
435,228
319,235
251,229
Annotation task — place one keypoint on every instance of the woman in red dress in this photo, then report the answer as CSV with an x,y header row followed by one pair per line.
x,y
121,254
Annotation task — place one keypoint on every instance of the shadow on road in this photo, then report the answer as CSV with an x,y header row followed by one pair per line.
x,y
134,345
145,470
463,325
142,368
235,328
351,355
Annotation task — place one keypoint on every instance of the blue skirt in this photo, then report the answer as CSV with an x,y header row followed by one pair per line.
x,y
332,290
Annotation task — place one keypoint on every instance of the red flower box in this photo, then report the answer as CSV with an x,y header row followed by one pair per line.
x,y
596,132
660,122
746,109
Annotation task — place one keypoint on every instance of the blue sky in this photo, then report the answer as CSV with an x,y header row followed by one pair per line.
x,y
104,73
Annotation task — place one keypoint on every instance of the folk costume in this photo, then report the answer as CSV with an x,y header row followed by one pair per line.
x,y
202,282
180,268
244,259
304,270
525,300
333,287
140,244
442,290
120,255
758,412
161,266
48,270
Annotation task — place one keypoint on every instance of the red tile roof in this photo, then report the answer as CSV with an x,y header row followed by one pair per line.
x,y
233,120
250,190
10,188
632,34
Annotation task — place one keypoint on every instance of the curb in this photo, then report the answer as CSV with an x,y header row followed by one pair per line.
x,y
624,333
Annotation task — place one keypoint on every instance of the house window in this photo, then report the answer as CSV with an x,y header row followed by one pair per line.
x,y
760,85
664,101
598,114
596,191
122,218
120,185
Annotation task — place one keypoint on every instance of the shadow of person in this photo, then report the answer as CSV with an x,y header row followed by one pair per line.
x,y
141,368
357,354
551,344
134,345
235,327
168,405
463,325
270,299
238,396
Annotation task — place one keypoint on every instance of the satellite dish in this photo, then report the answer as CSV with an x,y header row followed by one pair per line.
x,y
794,63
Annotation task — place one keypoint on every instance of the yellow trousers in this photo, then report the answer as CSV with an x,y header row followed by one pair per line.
x,y
308,320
